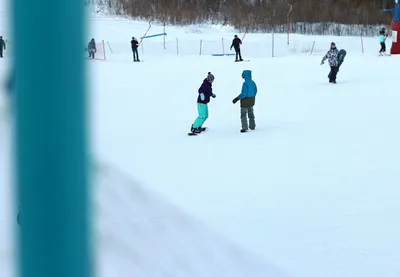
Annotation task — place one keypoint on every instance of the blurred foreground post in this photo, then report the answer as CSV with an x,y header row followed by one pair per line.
x,y
51,155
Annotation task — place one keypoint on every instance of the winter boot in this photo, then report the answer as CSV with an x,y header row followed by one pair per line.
x,y
243,131
197,130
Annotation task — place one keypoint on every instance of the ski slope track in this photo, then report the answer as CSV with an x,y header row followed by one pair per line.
x,y
312,192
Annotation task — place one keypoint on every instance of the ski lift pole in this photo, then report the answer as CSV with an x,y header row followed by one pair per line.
x,y
244,35
141,39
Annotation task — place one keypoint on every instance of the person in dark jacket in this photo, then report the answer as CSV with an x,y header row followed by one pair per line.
x,y
135,46
333,58
2,46
205,94
247,99
92,48
236,42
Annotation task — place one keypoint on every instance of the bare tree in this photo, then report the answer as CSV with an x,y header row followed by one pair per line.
x,y
307,16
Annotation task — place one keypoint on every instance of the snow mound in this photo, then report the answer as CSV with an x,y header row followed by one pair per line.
x,y
142,234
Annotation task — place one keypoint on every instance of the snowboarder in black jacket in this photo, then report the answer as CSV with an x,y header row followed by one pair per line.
x,y
333,58
2,46
92,48
135,46
236,42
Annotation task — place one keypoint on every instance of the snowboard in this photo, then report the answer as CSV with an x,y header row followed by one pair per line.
x,y
341,56
195,134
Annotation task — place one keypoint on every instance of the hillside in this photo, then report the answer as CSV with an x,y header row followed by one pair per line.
x,y
305,16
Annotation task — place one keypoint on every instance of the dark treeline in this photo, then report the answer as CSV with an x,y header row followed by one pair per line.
x,y
307,16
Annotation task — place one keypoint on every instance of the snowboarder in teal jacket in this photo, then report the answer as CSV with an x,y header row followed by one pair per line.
x,y
247,99
382,39
205,93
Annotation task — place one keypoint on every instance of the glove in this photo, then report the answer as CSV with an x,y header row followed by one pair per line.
x,y
235,100
213,95
231,48
322,63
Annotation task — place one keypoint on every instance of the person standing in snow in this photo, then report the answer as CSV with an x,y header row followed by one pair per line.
x,y
247,99
382,39
333,58
2,46
135,46
205,92
92,48
236,42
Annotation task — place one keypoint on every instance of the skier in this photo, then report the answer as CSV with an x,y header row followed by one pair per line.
x,y
236,42
134,46
332,56
92,48
2,46
382,39
205,92
247,101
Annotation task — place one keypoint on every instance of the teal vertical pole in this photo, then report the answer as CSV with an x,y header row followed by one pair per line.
x,y
51,155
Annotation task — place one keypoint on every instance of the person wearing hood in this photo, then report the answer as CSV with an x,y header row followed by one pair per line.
x,y
333,58
92,48
247,99
205,94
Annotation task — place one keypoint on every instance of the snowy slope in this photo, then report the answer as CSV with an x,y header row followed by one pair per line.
x,y
143,235
312,192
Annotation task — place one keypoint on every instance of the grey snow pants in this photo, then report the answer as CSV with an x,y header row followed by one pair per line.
x,y
244,112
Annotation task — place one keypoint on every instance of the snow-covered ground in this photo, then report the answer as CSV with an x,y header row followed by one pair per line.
x,y
312,192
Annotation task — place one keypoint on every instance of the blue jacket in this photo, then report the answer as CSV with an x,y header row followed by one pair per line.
x,y
382,38
249,87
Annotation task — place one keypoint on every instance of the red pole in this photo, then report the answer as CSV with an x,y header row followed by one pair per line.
x,y
312,48
109,46
104,50
362,44
244,35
